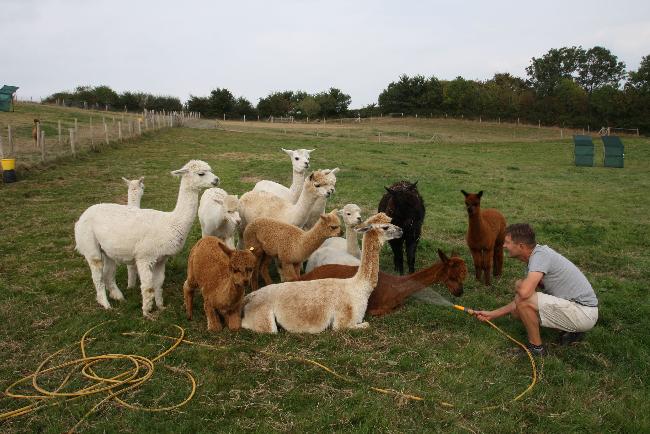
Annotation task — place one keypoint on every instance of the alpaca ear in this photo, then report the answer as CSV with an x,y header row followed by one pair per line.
x,y
126,181
465,193
141,180
442,256
480,193
227,250
388,189
336,169
335,212
289,152
311,177
363,229
179,172
414,185
309,151
323,216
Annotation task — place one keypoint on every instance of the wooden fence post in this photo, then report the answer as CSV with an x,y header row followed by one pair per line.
x,y
38,134
59,123
139,127
42,145
119,130
76,127
92,138
74,153
106,133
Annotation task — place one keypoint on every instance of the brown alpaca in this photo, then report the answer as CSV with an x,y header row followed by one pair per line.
x,y
392,291
485,235
35,132
290,244
313,306
222,274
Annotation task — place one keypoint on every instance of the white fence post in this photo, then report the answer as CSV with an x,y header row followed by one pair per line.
x,y
59,122
42,145
74,152
106,133
119,130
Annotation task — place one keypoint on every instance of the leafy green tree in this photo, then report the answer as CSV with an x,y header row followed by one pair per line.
x,y
461,97
640,79
412,95
545,73
308,106
598,67
276,104
243,107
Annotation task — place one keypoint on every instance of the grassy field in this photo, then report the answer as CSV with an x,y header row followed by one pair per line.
x,y
597,217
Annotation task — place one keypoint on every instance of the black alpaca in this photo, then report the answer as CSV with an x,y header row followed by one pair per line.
x,y
404,204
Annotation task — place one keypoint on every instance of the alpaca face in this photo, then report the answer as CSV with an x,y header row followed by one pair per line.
x,y
135,188
198,175
472,202
456,274
242,263
231,206
351,214
321,182
331,223
299,159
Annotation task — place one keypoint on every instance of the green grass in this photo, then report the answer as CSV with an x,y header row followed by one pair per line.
x,y
595,216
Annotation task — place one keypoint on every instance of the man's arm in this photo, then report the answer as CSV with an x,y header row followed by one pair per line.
x,y
524,289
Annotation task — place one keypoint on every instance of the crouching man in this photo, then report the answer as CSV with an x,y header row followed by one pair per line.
x,y
568,302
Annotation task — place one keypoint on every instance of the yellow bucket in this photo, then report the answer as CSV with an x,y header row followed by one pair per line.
x,y
8,163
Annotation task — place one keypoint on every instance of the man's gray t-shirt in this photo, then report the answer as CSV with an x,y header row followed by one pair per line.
x,y
562,278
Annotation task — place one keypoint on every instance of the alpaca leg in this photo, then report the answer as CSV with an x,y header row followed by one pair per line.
x,y
264,269
498,259
398,254
158,280
146,286
133,276
487,267
288,272
233,319
188,297
214,323
411,247
109,278
97,272
476,259
361,325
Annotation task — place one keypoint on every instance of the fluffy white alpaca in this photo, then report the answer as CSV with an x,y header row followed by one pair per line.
x,y
339,250
109,233
135,192
254,204
300,163
218,215
319,206
313,306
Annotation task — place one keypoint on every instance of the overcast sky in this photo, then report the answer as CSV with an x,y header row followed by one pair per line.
x,y
252,47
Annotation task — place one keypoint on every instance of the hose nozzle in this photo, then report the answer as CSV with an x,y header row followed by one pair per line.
x,y
464,309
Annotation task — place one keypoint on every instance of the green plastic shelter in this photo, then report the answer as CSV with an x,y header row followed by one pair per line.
x,y
583,150
7,97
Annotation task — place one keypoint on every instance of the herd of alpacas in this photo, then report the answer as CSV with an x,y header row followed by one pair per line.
x,y
241,236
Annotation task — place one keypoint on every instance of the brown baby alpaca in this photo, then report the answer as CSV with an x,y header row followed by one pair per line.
x,y
291,245
222,274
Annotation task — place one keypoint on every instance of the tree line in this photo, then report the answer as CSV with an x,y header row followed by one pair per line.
x,y
103,97
568,86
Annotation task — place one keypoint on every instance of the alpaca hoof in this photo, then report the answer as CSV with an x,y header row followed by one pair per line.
x,y
116,295
104,303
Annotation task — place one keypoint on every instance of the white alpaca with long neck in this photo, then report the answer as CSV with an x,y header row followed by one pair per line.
x,y
300,164
219,215
109,233
339,250
313,306
255,204
321,203
135,191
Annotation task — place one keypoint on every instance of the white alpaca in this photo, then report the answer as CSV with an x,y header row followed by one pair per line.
x,y
218,215
313,306
109,233
339,250
300,163
255,204
319,206
135,191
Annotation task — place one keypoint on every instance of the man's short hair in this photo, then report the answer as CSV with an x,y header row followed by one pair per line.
x,y
522,233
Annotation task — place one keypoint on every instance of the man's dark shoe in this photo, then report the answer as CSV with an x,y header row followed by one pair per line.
x,y
536,350
568,338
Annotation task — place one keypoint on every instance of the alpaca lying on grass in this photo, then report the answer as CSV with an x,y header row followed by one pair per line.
x,y
291,245
222,274
256,204
313,306
300,164
392,291
339,250
135,192
485,235
109,233
218,215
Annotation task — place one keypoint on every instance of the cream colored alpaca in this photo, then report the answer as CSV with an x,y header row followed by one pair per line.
x,y
219,215
313,306
291,245
300,163
256,204
337,250
134,197
319,206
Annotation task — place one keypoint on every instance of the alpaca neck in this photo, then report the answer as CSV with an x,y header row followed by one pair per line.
x,y
134,200
186,206
475,223
351,238
406,285
303,207
312,239
369,268
296,186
